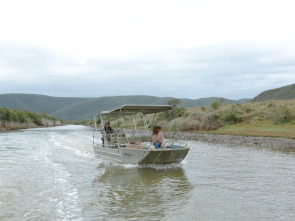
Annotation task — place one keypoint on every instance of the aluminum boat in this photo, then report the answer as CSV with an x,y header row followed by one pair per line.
x,y
133,146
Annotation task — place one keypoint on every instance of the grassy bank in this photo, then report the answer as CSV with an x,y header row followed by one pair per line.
x,y
261,129
267,119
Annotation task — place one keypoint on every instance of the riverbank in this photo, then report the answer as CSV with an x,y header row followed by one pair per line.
x,y
10,126
14,119
274,142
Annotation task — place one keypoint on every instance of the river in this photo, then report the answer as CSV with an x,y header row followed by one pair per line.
x,y
53,174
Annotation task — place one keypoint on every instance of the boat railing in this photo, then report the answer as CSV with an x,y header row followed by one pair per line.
x,y
134,141
174,143
125,141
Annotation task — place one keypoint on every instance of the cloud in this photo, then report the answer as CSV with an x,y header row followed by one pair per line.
x,y
93,28
228,70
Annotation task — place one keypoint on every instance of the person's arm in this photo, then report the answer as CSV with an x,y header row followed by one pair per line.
x,y
161,139
154,139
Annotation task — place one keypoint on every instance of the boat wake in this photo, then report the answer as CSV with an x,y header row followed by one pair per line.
x,y
151,166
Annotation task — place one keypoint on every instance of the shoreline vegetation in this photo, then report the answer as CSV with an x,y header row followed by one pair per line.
x,y
275,118
14,119
268,123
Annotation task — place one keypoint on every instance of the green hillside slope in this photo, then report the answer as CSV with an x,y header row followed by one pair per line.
x,y
68,108
87,109
35,102
282,93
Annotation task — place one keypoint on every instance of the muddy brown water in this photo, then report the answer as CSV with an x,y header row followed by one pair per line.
x,y
53,174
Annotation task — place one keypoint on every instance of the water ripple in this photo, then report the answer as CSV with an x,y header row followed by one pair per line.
x,y
53,174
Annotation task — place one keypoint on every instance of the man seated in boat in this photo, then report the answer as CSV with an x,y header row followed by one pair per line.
x,y
158,137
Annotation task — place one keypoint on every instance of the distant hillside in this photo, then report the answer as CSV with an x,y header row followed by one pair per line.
x,y
35,102
282,93
68,108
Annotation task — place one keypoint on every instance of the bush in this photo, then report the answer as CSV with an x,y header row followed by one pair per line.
x,y
180,111
171,126
282,115
189,125
211,121
5,114
215,105
36,118
248,110
21,116
231,117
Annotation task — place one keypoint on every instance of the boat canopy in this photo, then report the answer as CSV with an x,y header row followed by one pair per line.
x,y
134,109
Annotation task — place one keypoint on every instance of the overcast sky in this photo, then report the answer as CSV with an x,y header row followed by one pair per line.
x,y
177,48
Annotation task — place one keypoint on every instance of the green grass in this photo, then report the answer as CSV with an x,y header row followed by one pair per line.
x,y
261,129
266,119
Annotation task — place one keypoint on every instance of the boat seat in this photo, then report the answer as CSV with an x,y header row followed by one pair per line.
x,y
112,137
124,140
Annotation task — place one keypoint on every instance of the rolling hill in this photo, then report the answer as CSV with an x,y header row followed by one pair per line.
x,y
282,93
70,108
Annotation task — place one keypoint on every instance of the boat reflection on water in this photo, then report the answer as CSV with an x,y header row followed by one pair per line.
x,y
138,192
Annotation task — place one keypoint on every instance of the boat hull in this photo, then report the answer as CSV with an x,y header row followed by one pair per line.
x,y
142,156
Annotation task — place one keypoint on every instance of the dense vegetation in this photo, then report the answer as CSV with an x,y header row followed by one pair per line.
x,y
283,93
14,118
270,118
221,115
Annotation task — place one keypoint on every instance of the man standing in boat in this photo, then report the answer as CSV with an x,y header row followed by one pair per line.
x,y
107,129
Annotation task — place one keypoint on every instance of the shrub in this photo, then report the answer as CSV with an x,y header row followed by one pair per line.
x,y
20,116
215,105
248,110
282,115
270,104
171,126
211,121
231,117
5,114
180,112
189,125
36,118
198,116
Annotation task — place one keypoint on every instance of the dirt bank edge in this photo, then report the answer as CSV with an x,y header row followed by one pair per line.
x,y
275,142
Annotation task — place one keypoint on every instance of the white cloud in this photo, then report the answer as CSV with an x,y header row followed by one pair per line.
x,y
107,28
190,49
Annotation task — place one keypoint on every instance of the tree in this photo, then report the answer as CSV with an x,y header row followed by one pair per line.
x,y
5,114
174,102
215,105
177,111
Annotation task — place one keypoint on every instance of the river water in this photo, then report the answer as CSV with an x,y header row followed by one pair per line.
x,y
53,174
